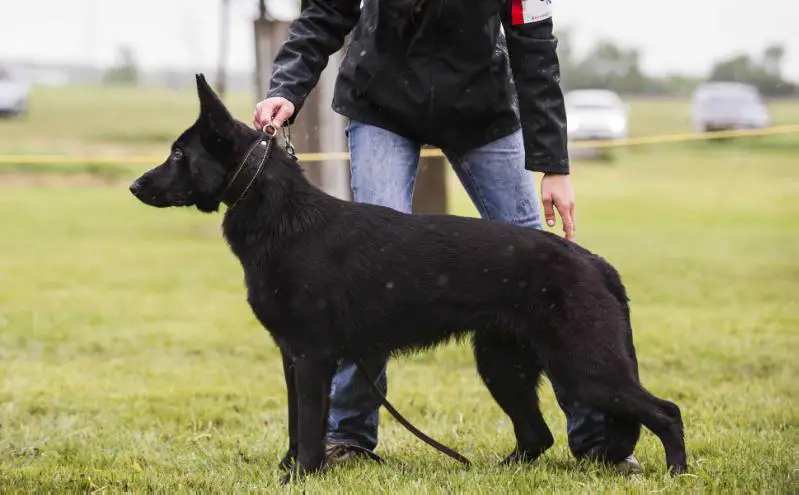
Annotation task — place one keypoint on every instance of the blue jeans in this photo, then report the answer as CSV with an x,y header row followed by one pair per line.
x,y
384,167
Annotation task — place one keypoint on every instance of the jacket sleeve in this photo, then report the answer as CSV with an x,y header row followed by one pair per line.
x,y
317,33
536,73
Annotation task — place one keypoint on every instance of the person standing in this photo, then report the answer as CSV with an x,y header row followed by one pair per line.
x,y
481,81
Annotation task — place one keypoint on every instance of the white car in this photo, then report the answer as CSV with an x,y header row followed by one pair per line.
x,y
595,114
717,106
14,95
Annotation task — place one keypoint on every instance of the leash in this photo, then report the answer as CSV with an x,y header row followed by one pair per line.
x,y
407,424
383,401
287,141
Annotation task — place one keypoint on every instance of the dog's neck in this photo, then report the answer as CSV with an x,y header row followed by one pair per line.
x,y
280,205
243,176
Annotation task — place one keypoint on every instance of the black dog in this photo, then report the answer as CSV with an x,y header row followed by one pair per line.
x,y
332,279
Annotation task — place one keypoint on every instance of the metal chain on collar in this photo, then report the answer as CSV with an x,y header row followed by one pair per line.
x,y
287,142
271,130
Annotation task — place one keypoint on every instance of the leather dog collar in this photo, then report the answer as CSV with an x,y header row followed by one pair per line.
x,y
244,176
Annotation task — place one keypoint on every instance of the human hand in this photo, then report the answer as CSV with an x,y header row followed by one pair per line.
x,y
275,110
556,189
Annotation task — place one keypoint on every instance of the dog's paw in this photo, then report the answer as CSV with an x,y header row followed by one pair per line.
x,y
293,473
520,457
296,472
678,469
288,461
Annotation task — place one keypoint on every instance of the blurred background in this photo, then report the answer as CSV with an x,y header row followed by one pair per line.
x,y
128,355
108,77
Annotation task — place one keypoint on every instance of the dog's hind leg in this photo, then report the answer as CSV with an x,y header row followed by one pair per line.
x,y
511,371
660,416
621,433
607,381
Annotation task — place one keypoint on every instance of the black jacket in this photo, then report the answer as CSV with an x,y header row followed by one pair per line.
x,y
445,80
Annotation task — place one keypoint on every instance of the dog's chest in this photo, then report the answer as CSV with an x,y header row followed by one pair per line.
x,y
287,308
271,305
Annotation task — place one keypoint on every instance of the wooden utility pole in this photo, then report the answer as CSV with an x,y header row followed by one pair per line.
x,y
224,41
430,190
318,128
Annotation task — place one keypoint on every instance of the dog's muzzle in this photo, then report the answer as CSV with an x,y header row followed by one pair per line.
x,y
135,187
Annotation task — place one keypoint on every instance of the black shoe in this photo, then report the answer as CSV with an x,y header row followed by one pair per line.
x,y
342,452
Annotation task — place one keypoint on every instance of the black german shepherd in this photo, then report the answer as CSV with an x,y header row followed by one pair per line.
x,y
332,279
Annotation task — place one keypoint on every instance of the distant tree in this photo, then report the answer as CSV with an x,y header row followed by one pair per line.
x,y
125,71
607,65
737,68
765,73
678,84
566,57
773,57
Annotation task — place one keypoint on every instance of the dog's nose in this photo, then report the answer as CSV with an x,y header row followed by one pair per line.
x,y
135,187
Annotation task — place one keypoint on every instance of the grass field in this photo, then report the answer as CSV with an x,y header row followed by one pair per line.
x,y
129,360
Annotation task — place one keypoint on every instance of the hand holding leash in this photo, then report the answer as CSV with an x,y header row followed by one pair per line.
x,y
269,116
271,131
275,111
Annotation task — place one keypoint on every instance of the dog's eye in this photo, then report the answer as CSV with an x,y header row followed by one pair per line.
x,y
177,155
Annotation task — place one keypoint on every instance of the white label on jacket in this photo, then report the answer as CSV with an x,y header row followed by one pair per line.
x,y
527,11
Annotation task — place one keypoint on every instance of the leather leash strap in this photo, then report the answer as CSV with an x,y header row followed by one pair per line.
x,y
404,422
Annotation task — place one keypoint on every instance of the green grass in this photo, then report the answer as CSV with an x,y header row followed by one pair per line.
x,y
107,120
129,360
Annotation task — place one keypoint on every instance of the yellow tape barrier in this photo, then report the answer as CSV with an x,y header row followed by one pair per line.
x,y
432,152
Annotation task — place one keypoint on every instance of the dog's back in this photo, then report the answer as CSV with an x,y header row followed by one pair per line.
x,y
370,279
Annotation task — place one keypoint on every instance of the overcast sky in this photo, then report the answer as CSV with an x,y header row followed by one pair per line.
x,y
185,33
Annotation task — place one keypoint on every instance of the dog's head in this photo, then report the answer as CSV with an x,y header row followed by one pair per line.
x,y
200,161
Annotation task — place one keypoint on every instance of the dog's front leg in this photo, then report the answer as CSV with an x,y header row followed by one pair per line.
x,y
291,389
313,376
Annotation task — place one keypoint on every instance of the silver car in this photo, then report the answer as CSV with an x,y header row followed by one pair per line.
x,y
717,106
595,114
14,95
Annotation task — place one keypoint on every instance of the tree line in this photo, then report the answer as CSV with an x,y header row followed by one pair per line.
x,y
606,65
612,66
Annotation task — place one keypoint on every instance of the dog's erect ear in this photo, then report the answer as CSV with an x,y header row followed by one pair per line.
x,y
212,110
